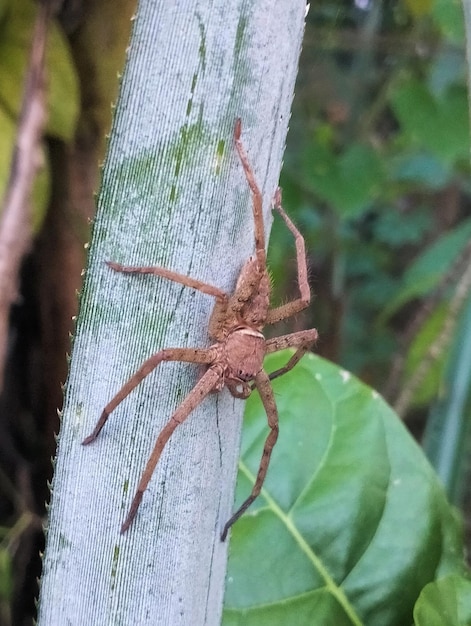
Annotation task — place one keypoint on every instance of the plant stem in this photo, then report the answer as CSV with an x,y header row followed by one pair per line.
x,y
173,194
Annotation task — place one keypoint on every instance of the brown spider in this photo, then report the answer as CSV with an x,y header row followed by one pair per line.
x,y
236,359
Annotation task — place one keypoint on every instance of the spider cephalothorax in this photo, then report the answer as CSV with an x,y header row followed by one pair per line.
x,y
235,360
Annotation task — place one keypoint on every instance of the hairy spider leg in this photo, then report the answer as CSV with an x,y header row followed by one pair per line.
x,y
295,306
302,340
203,387
187,355
262,382
259,229
156,270
218,315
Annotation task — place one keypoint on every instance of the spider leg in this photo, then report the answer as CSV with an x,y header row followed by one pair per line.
x,y
188,355
202,388
291,308
302,341
259,229
216,322
187,281
262,382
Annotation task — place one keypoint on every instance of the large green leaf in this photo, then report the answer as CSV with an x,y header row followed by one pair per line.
x,y
352,522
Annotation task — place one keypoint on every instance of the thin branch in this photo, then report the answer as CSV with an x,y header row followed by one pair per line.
x,y
15,222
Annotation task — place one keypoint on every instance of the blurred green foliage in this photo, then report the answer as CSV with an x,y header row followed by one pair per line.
x,y
377,177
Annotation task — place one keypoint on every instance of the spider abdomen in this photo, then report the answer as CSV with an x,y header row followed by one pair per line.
x,y
244,350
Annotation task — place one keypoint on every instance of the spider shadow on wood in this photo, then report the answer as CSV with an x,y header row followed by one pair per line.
x,y
235,360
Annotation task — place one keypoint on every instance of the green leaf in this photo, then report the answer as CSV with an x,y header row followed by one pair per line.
x,y
447,68
420,168
439,123
391,228
448,15
417,351
4,4
7,134
6,580
349,182
446,602
428,268
352,521
418,8
62,83
447,436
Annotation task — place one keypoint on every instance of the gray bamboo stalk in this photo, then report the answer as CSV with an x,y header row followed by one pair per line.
x,y
172,194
